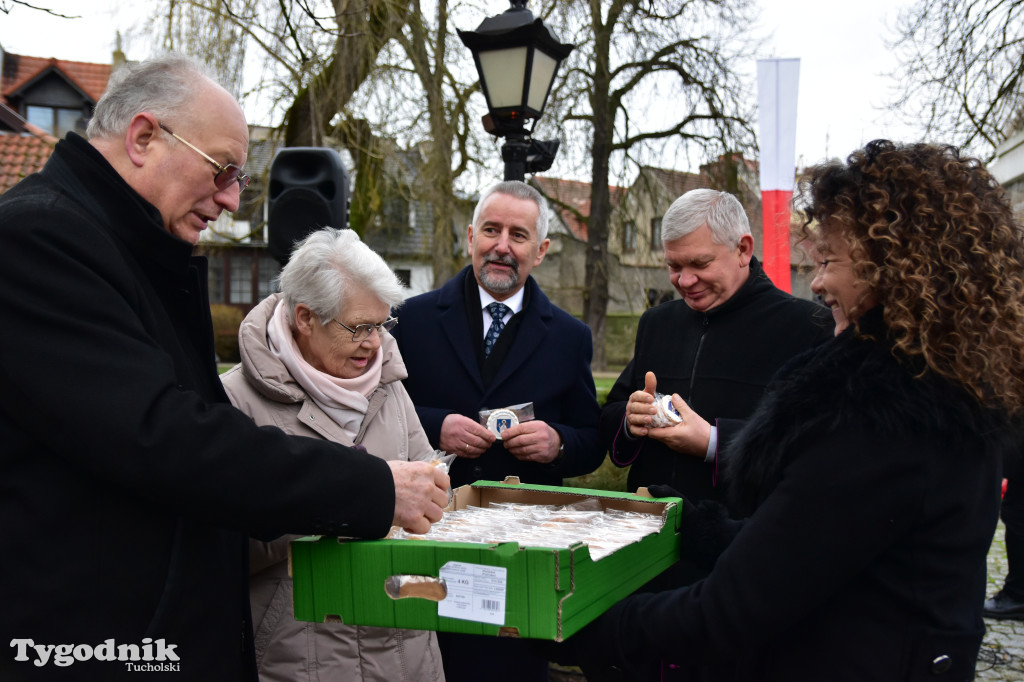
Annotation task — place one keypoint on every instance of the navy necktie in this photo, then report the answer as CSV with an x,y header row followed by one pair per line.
x,y
497,312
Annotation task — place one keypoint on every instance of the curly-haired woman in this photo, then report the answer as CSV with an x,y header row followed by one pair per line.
x,y
870,475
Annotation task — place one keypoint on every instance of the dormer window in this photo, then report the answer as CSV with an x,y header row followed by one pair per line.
x,y
55,120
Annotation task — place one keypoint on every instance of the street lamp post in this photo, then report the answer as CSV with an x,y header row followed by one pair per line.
x,y
517,58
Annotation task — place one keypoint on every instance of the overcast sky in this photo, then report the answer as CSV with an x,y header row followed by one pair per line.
x,y
843,59
843,71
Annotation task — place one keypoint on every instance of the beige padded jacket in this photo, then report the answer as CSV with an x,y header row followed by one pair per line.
x,y
293,651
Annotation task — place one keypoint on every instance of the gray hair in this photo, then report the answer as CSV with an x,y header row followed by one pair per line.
x,y
327,265
720,211
519,190
163,85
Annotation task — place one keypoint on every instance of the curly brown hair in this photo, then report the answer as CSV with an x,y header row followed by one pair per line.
x,y
932,234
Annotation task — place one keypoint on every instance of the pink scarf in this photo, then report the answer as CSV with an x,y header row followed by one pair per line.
x,y
344,400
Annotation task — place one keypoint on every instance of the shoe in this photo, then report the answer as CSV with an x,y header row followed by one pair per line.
x,y
1003,606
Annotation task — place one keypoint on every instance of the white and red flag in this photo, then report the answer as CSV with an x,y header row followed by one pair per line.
x,y
777,85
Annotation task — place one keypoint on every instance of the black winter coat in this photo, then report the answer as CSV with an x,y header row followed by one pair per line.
x,y
719,362
874,496
128,484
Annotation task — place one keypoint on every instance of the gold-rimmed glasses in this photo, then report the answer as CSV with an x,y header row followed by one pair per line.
x,y
225,174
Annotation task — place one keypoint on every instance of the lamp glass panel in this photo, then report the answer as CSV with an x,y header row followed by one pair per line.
x,y
503,72
540,80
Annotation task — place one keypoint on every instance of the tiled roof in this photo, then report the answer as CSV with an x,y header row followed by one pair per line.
x,y
19,70
567,195
10,119
21,155
411,230
677,183
261,153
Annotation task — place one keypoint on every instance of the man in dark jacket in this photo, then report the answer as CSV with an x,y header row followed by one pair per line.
x,y
716,348
536,353
128,484
462,359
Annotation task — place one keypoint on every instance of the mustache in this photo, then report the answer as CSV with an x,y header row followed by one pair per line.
x,y
508,260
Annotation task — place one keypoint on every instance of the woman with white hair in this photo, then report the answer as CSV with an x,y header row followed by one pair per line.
x,y
318,361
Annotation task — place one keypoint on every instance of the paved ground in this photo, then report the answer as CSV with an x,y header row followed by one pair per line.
x,y
1002,653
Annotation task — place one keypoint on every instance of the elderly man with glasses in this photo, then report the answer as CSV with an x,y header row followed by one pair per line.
x,y
128,483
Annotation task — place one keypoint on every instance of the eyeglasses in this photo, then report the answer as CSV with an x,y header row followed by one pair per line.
x,y
363,331
225,174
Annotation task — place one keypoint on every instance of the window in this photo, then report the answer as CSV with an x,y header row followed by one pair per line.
x,y
268,271
215,278
629,237
53,120
656,234
241,277
241,281
396,215
658,296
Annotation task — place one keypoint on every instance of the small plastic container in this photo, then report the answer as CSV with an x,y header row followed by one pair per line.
x,y
667,414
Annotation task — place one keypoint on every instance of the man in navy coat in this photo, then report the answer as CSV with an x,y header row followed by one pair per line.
x,y
541,356
464,358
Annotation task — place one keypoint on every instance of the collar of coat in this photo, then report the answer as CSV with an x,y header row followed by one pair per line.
x,y
750,292
452,293
851,382
87,177
268,375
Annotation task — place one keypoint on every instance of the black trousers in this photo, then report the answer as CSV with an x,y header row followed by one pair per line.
x,y
1012,513
472,658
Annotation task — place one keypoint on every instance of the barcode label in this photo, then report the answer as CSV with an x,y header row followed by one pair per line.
x,y
475,592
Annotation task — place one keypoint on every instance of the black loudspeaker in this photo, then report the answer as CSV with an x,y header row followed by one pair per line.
x,y
308,190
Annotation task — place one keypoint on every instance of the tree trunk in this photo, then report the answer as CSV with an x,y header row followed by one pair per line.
x,y
441,177
362,33
595,292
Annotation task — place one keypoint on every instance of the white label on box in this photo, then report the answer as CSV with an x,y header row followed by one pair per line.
x,y
475,592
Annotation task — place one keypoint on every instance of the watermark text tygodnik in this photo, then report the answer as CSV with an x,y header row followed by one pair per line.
x,y
67,654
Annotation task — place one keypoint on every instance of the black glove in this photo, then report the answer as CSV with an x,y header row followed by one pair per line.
x,y
563,653
586,649
705,527
660,490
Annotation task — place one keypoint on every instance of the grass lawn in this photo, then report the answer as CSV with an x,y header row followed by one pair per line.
x,y
604,384
607,476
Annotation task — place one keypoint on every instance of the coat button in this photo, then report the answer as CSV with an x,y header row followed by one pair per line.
x,y
941,664
312,418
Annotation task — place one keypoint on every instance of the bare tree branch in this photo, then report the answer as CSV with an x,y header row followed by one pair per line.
x,y
646,73
7,5
962,63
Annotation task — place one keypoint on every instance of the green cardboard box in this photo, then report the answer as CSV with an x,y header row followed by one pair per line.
x,y
547,593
